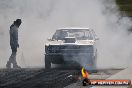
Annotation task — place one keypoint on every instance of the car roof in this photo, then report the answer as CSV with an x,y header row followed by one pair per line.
x,y
73,29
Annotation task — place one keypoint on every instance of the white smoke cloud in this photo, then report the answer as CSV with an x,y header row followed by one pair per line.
x,y
40,19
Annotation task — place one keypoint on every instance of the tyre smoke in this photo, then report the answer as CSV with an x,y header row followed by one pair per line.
x,y
40,19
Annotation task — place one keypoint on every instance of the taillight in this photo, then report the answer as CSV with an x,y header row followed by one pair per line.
x,y
53,49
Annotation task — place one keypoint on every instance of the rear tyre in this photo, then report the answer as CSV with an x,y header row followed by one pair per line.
x,y
47,62
95,71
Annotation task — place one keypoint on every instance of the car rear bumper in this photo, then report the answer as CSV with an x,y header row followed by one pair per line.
x,y
84,58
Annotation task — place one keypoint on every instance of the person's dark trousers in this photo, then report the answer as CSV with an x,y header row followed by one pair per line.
x,y
12,59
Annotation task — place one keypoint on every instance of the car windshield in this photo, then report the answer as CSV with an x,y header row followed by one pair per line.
x,y
79,34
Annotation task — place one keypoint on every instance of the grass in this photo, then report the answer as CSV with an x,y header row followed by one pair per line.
x,y
124,2
125,7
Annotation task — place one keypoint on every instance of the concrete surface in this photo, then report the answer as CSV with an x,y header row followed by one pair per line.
x,y
124,74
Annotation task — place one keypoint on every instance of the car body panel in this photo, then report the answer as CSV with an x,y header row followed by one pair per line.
x,y
72,46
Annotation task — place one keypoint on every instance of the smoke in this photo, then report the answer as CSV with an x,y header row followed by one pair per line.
x,y
115,44
40,19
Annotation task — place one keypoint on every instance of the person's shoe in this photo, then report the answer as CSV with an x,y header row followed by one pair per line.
x,y
16,67
8,65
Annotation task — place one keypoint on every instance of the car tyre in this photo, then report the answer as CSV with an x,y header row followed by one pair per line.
x,y
47,62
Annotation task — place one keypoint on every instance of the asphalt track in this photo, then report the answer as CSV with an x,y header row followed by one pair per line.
x,y
56,78
37,78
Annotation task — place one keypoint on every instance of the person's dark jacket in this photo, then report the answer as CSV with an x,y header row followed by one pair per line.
x,y
14,36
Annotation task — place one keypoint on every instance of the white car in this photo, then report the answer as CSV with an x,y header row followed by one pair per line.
x,y
72,47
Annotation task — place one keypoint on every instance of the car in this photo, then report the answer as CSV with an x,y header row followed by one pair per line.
x,y
72,48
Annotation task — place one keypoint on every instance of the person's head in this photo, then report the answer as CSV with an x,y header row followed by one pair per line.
x,y
18,22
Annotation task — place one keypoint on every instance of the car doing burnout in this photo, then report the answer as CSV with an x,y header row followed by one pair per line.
x,y
72,47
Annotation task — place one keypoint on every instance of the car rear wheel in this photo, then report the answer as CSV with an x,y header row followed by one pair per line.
x,y
47,62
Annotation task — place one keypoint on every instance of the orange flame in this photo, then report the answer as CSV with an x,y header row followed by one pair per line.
x,y
84,73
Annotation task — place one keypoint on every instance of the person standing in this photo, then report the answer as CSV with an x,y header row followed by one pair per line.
x,y
14,43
